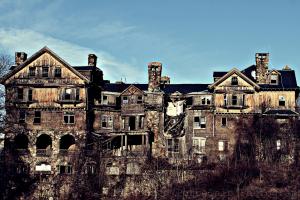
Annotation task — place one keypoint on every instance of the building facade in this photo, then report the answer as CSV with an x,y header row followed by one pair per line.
x,y
62,119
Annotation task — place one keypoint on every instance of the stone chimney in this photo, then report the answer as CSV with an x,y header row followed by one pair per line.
x,y
262,64
20,57
92,60
154,76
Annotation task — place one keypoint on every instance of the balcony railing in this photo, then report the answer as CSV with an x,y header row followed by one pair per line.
x,y
43,152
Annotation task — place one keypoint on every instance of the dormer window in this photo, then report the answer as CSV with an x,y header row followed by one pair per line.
x,y
234,81
125,100
274,79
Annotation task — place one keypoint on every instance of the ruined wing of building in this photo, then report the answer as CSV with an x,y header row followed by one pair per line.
x,y
62,119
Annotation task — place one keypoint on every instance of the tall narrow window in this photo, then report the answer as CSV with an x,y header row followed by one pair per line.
x,y
203,122
20,93
77,95
234,80
199,144
141,122
37,117
173,145
29,94
203,100
222,145
22,115
104,100
225,100
45,71
139,99
234,100
31,71
57,72
224,121
67,94
69,117
196,122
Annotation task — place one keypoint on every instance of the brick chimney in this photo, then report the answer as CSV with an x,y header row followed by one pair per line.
x,y
92,60
154,76
20,57
262,64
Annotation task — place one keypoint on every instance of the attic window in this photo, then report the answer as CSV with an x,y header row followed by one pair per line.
x,y
139,99
57,72
234,81
234,100
45,71
125,100
31,71
274,79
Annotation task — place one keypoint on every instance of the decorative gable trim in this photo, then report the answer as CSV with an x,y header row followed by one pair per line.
x,y
132,90
35,56
230,73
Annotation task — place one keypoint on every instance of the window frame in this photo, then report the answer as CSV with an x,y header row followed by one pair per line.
x,y
234,100
234,81
44,72
56,70
20,93
199,144
272,79
37,117
32,71
222,122
173,145
281,101
68,117
22,117
108,120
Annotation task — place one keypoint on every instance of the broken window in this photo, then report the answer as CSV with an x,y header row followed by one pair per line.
x,y
132,123
125,100
66,142
234,100
234,80
31,71
281,101
196,122
21,141
203,122
173,145
29,94
69,117
20,93
22,115
274,79
104,100
224,121
57,72
199,144
222,145
65,169
139,99
199,122
67,94
45,71
37,117
107,121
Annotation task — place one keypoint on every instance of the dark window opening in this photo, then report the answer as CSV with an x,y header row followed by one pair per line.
x,y
224,121
234,81
69,117
44,141
21,141
45,71
77,94
234,100
22,168
22,116
104,99
139,99
274,79
37,117
281,101
132,123
30,95
66,142
125,100
141,122
134,139
65,169
67,94
90,169
203,101
57,72
31,71
20,93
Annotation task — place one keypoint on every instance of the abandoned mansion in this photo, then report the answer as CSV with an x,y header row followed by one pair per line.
x,y
62,119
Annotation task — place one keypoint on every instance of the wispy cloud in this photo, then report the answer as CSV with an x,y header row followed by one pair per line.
x,y
30,41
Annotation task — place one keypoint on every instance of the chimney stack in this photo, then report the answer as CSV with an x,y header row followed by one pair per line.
x,y
20,57
262,65
92,60
154,76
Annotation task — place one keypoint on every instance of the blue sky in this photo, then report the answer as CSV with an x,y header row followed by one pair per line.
x,y
191,38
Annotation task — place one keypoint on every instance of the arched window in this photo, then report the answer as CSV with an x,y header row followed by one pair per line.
x,y
44,141
66,142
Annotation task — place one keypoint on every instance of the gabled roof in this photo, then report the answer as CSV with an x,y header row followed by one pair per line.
x,y
231,72
35,56
120,87
135,89
184,88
